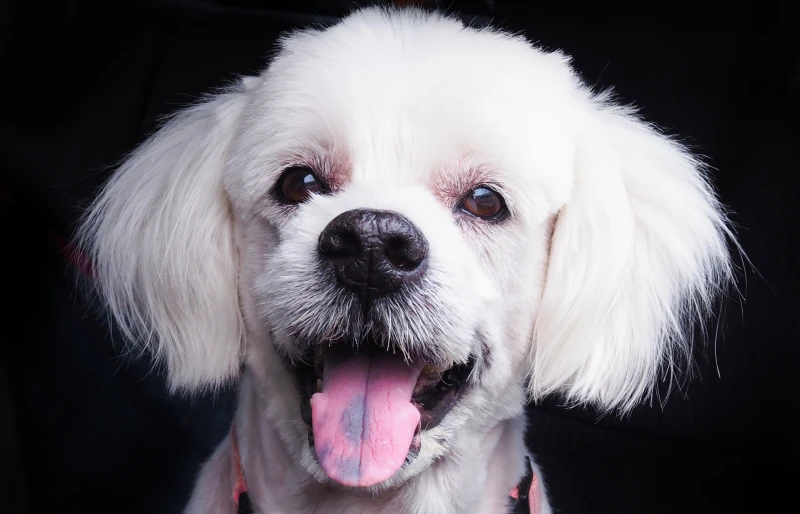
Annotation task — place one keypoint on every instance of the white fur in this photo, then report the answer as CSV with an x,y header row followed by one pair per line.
x,y
637,256
160,239
614,246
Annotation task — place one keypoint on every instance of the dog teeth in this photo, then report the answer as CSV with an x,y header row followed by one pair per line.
x,y
428,378
430,369
319,385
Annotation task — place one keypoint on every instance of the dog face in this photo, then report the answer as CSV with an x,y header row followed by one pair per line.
x,y
390,222
400,224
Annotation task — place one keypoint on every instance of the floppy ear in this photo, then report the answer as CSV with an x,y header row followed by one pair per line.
x,y
637,255
161,243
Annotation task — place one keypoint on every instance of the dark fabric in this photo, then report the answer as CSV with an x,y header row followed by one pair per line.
x,y
86,81
522,504
244,507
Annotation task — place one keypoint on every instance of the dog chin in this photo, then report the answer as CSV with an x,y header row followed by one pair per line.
x,y
372,410
406,473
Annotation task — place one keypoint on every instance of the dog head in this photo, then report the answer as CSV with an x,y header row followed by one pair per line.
x,y
401,225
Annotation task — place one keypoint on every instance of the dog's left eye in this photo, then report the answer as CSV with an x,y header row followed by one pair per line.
x,y
297,184
485,203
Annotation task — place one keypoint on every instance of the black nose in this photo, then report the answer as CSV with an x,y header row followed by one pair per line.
x,y
374,252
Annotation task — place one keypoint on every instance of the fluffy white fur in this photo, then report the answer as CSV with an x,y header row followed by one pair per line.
x,y
614,246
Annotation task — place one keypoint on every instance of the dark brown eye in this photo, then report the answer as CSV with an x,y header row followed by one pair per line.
x,y
484,203
297,184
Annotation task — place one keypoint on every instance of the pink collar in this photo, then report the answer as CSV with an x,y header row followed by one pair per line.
x,y
242,504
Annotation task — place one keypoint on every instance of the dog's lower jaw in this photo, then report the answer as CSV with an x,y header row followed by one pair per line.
x,y
475,477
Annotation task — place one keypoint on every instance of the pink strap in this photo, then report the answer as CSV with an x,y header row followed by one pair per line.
x,y
240,486
534,495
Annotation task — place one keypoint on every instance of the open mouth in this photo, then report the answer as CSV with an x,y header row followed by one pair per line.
x,y
366,407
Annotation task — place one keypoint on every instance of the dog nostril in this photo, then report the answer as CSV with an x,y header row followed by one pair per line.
x,y
342,243
400,254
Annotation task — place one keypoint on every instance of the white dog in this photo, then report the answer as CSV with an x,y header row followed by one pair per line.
x,y
396,235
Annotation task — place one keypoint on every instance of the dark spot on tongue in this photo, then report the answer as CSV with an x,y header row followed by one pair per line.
x,y
353,419
351,468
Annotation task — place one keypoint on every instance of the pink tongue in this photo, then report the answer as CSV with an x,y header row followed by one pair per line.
x,y
363,419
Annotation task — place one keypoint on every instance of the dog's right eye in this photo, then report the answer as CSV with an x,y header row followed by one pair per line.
x,y
297,184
